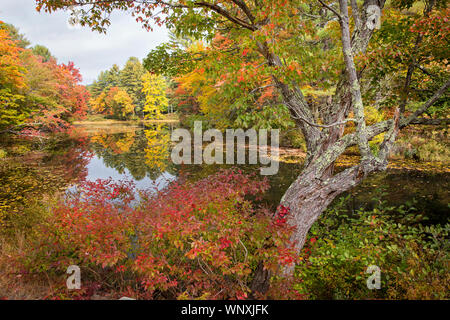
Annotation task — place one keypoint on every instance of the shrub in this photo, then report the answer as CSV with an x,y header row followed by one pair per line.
x,y
21,149
424,146
192,240
434,151
413,258
293,138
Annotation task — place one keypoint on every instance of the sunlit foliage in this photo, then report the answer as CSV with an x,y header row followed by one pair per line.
x,y
154,88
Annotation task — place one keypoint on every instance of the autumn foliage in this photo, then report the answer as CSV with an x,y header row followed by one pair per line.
x,y
192,240
11,81
114,102
37,95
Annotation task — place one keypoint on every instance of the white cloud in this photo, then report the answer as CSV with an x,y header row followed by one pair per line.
x,y
90,51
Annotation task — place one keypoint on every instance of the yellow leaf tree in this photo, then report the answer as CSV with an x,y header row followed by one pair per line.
x,y
116,102
98,104
122,104
155,88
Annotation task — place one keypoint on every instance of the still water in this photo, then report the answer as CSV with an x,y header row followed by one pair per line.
x,y
97,169
142,154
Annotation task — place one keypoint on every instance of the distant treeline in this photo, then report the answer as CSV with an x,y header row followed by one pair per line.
x,y
128,93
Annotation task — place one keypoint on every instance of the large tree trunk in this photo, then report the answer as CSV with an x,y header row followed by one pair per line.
x,y
307,198
310,195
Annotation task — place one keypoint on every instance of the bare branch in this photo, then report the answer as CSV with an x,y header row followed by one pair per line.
x,y
263,87
409,74
426,71
431,122
389,139
226,14
241,4
351,139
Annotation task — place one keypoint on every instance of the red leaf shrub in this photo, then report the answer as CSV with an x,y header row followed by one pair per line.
x,y
192,240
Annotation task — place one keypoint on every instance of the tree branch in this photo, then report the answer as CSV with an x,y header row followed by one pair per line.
x,y
336,149
355,13
355,88
430,122
325,125
241,4
413,64
226,14
331,9
428,104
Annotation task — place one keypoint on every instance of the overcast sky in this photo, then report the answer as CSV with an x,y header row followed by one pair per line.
x,y
90,51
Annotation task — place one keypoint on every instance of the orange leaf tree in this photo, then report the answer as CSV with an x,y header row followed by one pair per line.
x,y
12,81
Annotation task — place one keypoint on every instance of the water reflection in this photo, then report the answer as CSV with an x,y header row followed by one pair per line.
x,y
143,152
99,169
143,155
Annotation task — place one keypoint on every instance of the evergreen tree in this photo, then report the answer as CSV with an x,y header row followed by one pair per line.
x,y
105,81
42,51
131,81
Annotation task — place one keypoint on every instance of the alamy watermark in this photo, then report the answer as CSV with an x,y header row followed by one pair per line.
x,y
373,17
74,280
213,153
374,281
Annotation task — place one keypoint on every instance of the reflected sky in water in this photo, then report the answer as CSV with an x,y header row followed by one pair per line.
x,y
97,169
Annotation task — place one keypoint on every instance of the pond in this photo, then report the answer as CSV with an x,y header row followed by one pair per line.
x,y
142,154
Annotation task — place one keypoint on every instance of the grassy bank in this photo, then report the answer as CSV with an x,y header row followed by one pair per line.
x,y
98,119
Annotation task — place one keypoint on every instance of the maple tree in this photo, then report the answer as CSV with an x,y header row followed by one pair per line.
x,y
224,103
121,103
98,104
311,48
37,93
12,81
20,39
54,93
